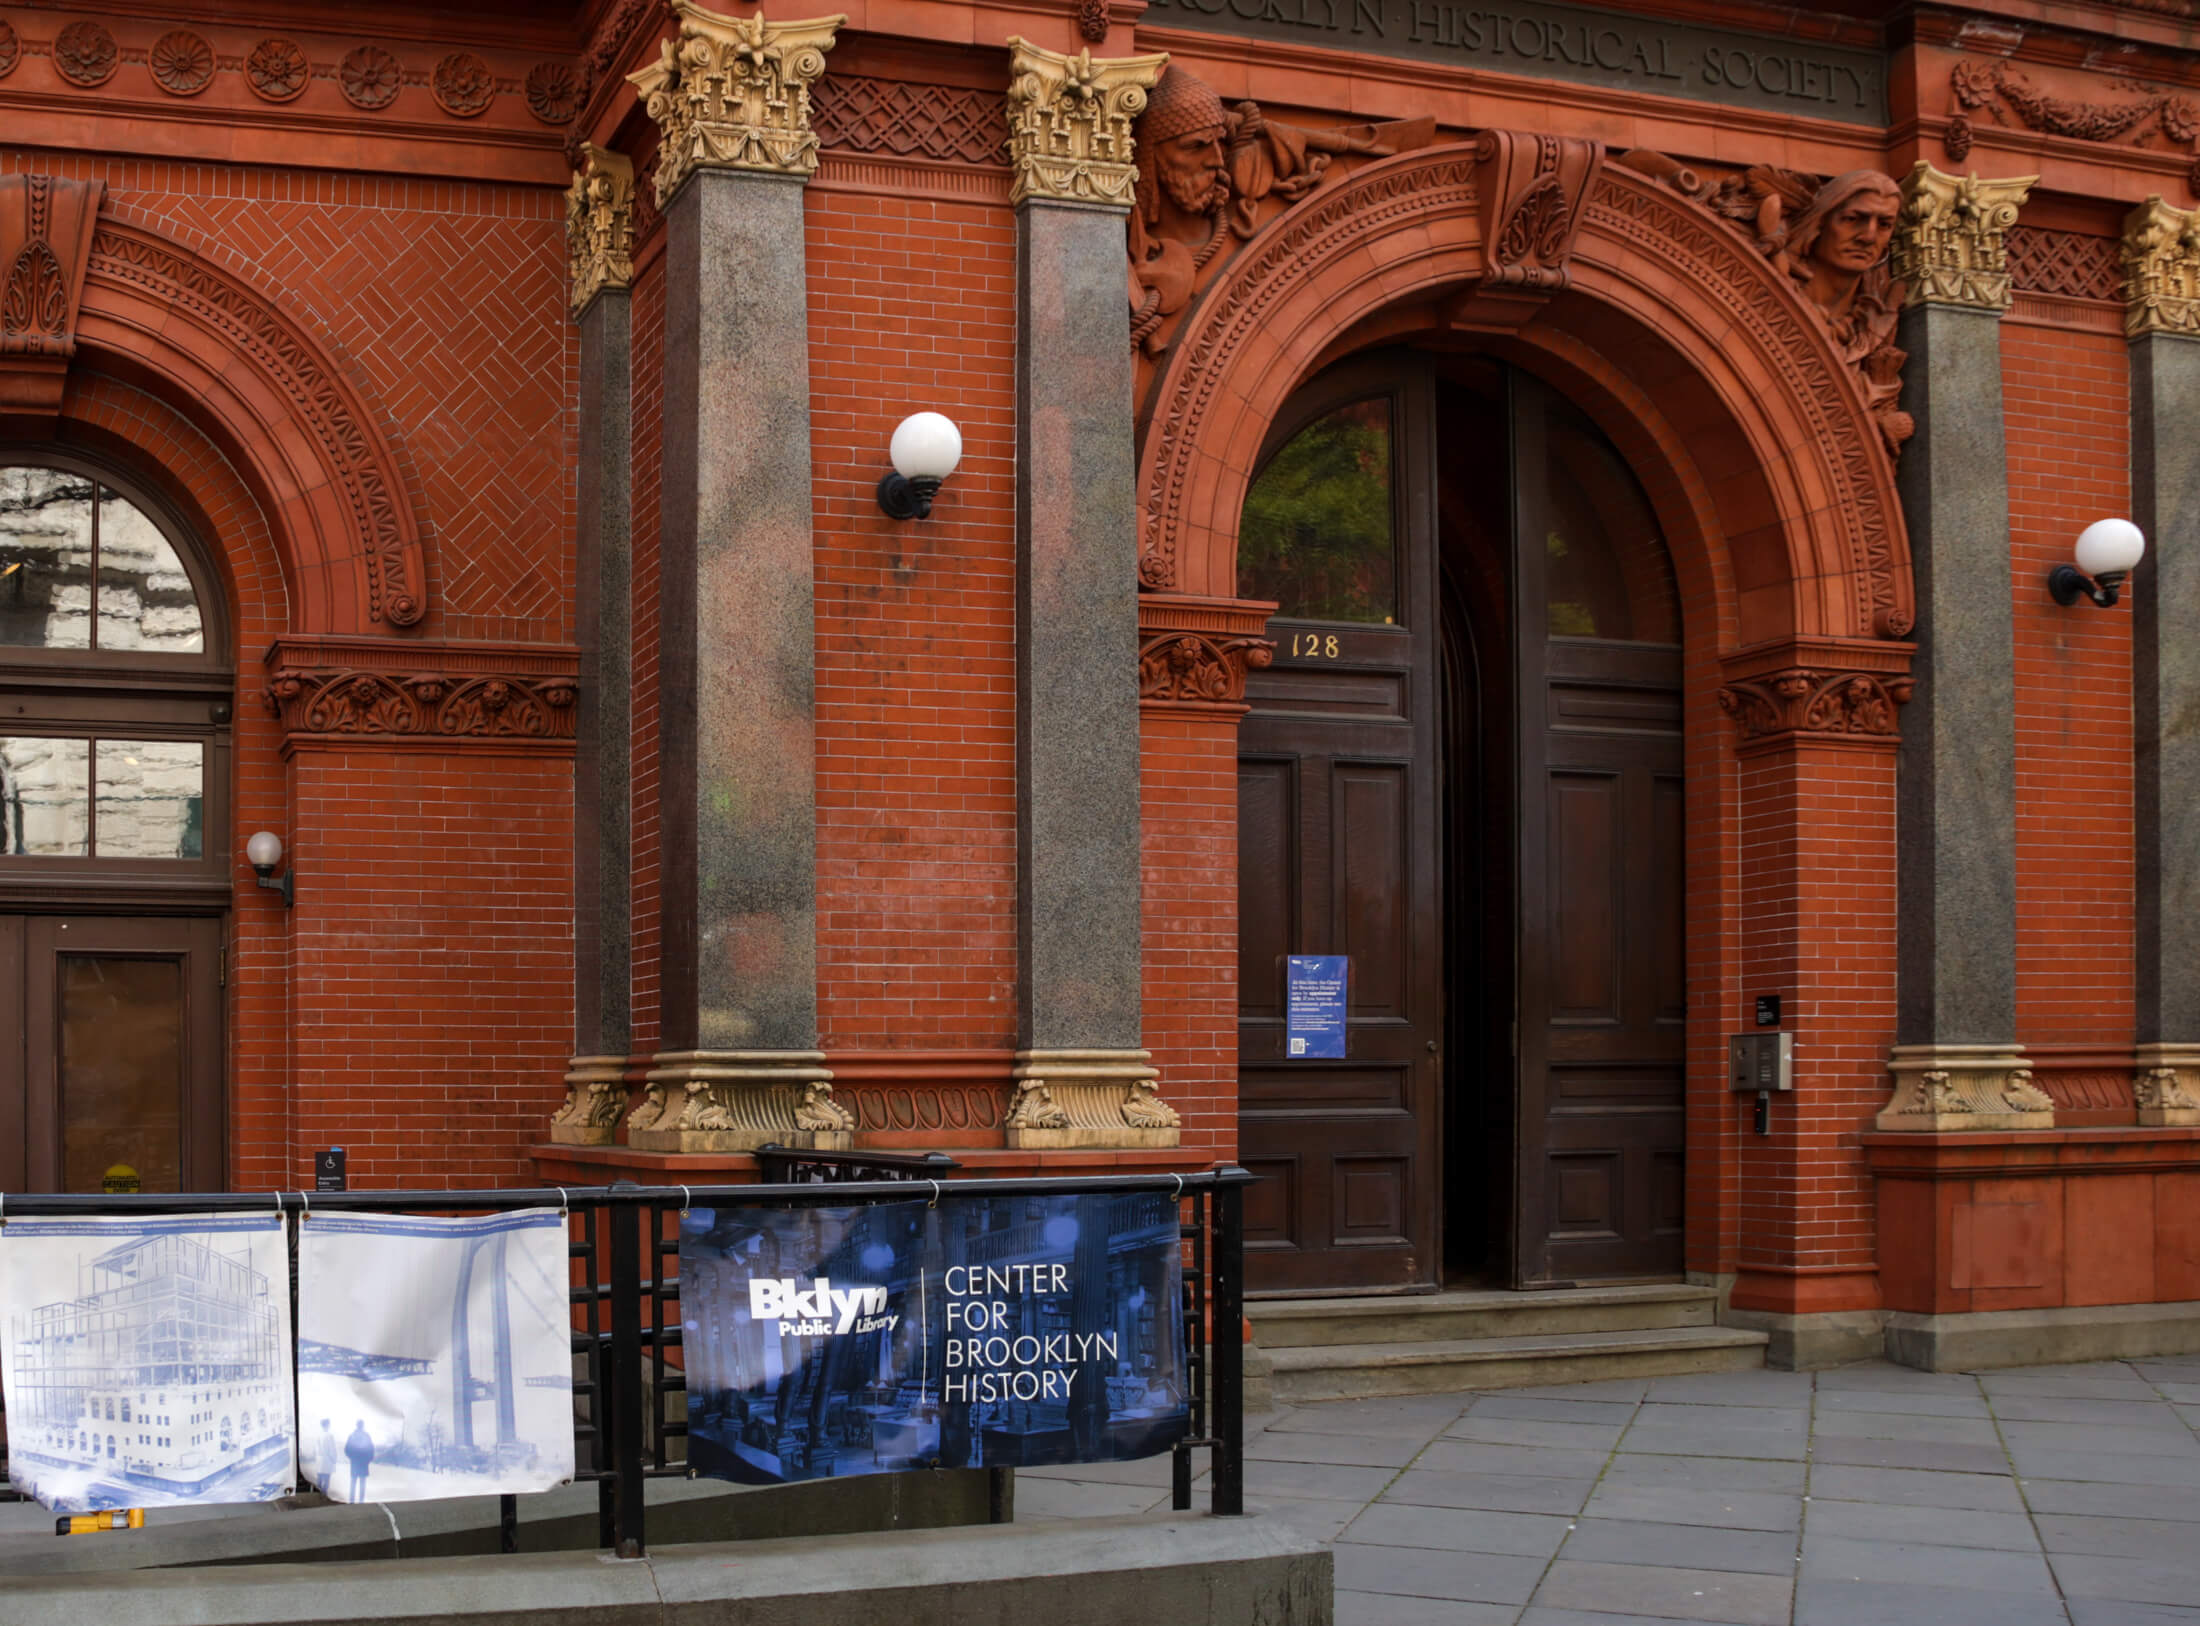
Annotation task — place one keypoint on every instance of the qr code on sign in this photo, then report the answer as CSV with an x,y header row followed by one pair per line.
x,y
1298,1047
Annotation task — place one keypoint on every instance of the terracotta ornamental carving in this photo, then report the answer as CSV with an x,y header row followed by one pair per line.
x,y
734,93
2004,94
599,223
1194,653
46,228
1069,123
1952,245
1210,177
422,705
1806,700
2161,253
1834,238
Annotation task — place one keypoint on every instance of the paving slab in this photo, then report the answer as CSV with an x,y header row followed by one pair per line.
x,y
1398,1524
1930,1455
1879,1603
1384,1609
1324,1521
1975,1569
1695,1547
1885,1375
1536,1431
2111,1500
1693,1440
1964,1402
1707,1473
2109,1467
1419,1573
1913,1487
2116,1612
1668,1593
2113,1538
2159,1440
1761,1388
1499,1493
1268,1477
1682,1504
1468,1457
1927,1525
1512,1403
1880,1425
2169,1580
1353,1450
2080,1409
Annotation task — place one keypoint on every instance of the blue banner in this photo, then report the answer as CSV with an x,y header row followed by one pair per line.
x,y
1315,1009
977,1332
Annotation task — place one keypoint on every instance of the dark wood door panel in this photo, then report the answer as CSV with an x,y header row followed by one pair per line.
x,y
1371,868
1268,882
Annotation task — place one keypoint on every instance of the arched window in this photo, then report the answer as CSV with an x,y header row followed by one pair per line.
x,y
116,696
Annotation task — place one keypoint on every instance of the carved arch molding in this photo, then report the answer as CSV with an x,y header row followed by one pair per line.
x,y
1792,467
270,391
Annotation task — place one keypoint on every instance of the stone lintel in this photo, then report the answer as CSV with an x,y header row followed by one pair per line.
x,y
1953,1088
1088,1098
738,1100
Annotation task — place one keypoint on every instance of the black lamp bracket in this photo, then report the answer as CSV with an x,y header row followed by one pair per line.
x,y
905,498
2067,583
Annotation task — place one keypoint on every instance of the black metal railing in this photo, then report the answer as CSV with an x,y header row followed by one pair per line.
x,y
623,1435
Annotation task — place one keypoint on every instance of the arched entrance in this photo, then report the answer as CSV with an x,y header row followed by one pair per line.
x,y
1698,374
1463,772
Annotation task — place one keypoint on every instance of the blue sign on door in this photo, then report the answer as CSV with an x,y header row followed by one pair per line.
x,y
1314,1007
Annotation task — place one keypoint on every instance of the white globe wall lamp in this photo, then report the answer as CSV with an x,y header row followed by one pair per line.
x,y
925,450
2108,550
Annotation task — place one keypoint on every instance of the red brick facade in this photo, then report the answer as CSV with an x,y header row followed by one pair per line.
x,y
417,1003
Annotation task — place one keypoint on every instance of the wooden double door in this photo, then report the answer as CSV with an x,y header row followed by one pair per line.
x,y
110,1053
1462,773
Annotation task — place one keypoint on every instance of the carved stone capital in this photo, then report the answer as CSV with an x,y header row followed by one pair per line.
x,y
1194,653
1951,246
1531,189
46,228
595,1101
599,224
734,93
2161,269
1069,123
1808,700
1088,1098
738,1100
2167,1089
1954,1088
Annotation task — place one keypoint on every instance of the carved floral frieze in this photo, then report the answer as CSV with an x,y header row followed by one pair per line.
x,y
599,223
1069,123
1194,654
279,71
2161,257
734,93
364,690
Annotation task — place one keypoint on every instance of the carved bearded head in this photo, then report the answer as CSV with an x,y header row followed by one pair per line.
x,y
1180,149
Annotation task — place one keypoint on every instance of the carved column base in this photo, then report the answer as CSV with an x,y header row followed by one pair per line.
x,y
2168,1086
1088,1098
738,1100
595,1101
1957,1088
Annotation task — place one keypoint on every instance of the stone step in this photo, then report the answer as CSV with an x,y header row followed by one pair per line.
x,y
1351,1371
1434,1317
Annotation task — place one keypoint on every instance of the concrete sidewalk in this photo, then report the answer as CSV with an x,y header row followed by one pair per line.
x,y
1866,1496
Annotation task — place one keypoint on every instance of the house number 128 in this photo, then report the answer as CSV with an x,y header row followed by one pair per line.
x,y
1314,645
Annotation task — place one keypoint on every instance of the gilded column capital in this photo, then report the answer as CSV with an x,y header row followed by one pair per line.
x,y
599,224
2161,269
1950,246
734,93
1069,123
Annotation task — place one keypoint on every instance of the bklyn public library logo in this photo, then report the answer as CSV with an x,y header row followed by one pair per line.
x,y
814,1308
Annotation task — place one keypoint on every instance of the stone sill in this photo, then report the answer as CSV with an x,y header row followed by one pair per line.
x,y
2127,1149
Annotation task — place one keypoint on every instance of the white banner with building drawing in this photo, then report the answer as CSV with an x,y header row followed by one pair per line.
x,y
434,1355
147,1361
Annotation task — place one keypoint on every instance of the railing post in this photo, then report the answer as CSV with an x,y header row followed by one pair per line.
x,y
624,1220
1226,1338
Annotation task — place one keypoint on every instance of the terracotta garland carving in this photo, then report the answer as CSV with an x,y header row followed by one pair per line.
x,y
1806,700
1092,21
182,63
277,70
609,42
85,54
433,705
361,477
2002,91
